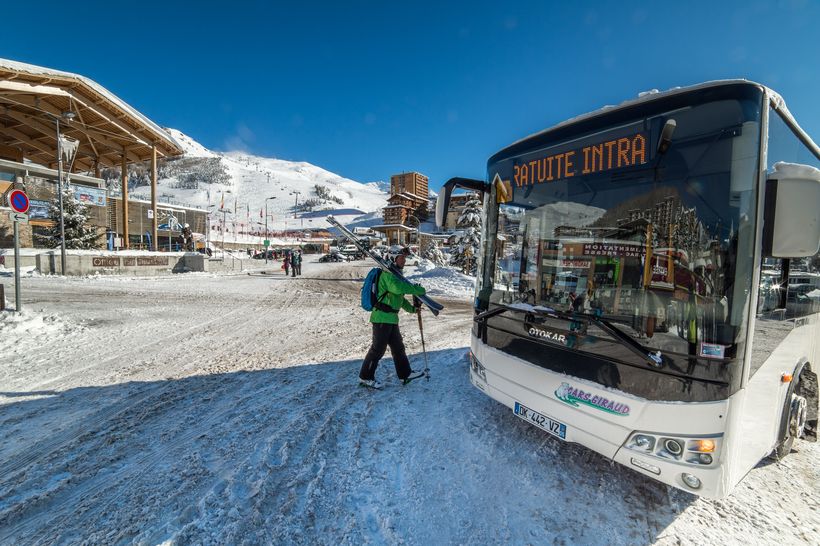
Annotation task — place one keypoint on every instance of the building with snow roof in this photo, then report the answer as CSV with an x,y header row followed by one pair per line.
x,y
406,208
53,121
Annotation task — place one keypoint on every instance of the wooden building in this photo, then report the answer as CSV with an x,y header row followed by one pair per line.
x,y
406,208
67,122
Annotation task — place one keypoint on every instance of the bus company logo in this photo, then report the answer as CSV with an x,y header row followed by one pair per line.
x,y
546,334
572,396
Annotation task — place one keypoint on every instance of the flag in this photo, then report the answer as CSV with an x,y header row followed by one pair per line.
x,y
234,205
249,211
222,202
260,213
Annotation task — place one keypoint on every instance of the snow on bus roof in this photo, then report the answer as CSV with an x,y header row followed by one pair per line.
x,y
794,170
774,98
643,96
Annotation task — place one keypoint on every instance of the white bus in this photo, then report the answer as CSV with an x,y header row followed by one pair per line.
x,y
653,320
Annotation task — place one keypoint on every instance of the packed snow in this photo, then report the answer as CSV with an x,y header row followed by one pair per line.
x,y
442,280
214,409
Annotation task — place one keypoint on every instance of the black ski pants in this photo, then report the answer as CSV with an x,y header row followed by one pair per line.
x,y
384,335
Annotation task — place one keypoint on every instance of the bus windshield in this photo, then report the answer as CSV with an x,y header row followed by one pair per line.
x,y
647,225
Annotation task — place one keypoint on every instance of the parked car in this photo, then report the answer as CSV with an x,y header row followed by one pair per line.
x,y
395,250
352,252
261,255
332,257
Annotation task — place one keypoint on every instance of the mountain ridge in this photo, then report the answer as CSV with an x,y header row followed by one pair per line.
x,y
240,184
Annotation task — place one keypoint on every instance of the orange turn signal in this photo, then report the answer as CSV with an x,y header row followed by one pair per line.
x,y
786,378
704,446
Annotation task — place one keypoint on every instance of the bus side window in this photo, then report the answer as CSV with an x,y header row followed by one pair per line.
x,y
788,290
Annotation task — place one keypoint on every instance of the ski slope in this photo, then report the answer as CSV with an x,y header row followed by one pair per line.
x,y
208,409
254,179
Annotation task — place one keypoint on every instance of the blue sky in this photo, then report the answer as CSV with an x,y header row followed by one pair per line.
x,y
369,89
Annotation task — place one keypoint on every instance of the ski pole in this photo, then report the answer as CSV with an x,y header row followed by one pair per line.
x,y
423,348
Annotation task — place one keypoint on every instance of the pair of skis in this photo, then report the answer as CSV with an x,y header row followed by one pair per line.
x,y
434,306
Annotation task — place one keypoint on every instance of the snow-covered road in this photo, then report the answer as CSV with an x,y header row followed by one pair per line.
x,y
204,409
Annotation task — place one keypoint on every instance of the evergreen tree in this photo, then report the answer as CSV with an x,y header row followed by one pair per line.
x,y
469,245
79,233
433,253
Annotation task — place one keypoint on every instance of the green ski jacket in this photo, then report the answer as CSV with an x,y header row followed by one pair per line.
x,y
396,290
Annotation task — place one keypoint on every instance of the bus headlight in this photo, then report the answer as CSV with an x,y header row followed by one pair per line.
x,y
671,447
693,451
642,442
477,367
690,480
702,446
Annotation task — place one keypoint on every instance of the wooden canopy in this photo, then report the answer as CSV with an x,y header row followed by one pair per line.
x,y
109,131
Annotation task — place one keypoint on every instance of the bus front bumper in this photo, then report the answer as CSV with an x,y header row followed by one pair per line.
x,y
603,435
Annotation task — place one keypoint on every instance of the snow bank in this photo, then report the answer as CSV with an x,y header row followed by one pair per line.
x,y
32,324
442,281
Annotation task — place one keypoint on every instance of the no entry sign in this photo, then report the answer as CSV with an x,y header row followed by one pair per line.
x,y
18,201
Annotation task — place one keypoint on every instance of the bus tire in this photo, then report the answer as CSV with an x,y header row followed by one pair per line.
x,y
799,416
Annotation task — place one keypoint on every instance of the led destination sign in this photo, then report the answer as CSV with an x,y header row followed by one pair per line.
x,y
615,153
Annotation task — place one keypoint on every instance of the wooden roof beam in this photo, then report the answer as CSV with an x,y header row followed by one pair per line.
x,y
90,141
149,135
109,117
118,116
38,92
35,102
25,139
46,155
52,131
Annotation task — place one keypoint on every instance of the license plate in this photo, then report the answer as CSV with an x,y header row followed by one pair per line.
x,y
559,430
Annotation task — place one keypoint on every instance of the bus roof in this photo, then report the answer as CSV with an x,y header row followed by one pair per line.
x,y
645,97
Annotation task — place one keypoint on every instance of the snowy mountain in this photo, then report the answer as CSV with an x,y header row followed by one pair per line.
x,y
243,183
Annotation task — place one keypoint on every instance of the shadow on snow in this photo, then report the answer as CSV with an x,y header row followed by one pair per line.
x,y
300,454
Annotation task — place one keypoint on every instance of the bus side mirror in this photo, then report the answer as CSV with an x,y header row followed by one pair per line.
x,y
791,221
443,199
443,205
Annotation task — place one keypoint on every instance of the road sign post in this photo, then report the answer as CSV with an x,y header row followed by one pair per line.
x,y
18,304
19,203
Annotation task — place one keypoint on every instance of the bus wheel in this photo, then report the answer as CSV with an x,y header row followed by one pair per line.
x,y
797,411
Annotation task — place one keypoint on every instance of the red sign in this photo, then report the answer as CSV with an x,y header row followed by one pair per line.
x,y
18,201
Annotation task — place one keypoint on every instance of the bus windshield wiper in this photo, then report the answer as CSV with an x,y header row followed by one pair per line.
x,y
501,308
653,359
481,317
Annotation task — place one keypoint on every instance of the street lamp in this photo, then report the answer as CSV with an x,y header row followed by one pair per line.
x,y
266,226
68,116
207,229
417,224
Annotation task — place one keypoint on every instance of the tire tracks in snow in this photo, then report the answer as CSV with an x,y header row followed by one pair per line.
x,y
280,470
90,494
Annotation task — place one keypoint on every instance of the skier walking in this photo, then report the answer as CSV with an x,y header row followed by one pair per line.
x,y
286,262
187,238
296,263
385,321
